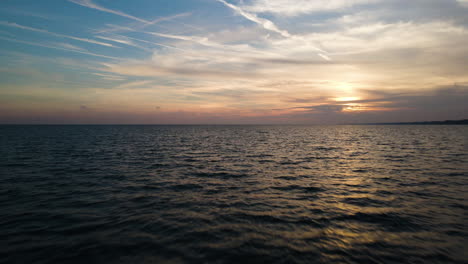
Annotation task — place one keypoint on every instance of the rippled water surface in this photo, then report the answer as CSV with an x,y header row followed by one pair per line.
x,y
234,194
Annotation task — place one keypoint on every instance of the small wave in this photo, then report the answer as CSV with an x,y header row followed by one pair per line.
x,y
365,202
288,178
388,221
307,189
185,187
223,175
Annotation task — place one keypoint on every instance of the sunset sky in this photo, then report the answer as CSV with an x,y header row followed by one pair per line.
x,y
232,61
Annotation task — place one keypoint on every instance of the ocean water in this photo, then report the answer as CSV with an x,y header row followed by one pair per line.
x,y
233,194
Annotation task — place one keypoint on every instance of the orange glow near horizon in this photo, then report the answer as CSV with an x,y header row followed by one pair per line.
x,y
346,99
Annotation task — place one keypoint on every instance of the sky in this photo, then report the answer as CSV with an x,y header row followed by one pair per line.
x,y
232,61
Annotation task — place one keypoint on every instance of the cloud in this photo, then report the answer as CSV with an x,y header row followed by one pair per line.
x,y
265,23
140,26
365,56
325,57
150,69
110,77
293,61
70,47
463,2
430,104
55,34
133,84
59,47
153,43
432,100
300,7
325,108
269,25
123,40
167,18
6,33
90,4
23,12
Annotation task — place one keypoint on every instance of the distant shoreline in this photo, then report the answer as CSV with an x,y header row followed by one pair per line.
x,y
446,122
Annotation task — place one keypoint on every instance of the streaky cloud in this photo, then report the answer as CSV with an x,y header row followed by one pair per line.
x,y
15,25
269,25
301,7
154,43
167,18
140,26
135,84
59,48
265,23
70,46
123,40
199,40
297,61
110,77
204,41
325,57
152,70
92,5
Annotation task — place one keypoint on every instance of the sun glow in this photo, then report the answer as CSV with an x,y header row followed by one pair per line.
x,y
346,99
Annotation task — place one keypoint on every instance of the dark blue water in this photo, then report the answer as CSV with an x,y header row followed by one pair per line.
x,y
234,194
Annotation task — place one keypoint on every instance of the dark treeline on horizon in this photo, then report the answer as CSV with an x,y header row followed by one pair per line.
x,y
446,122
